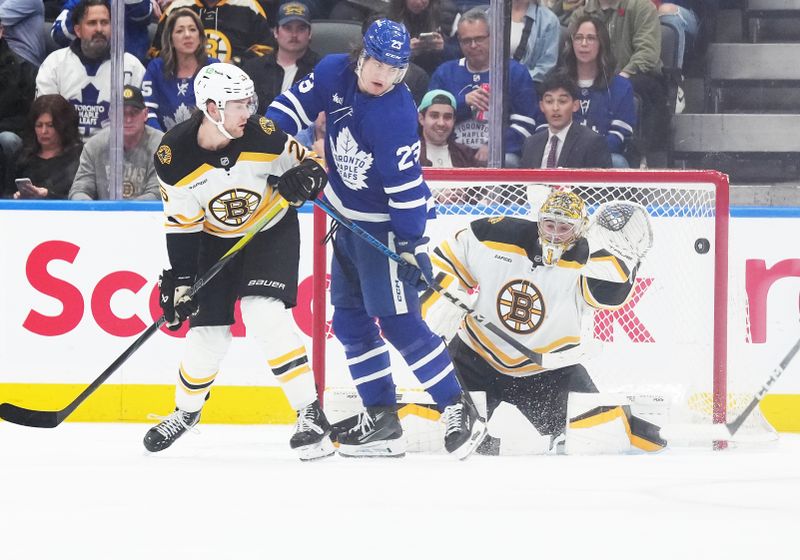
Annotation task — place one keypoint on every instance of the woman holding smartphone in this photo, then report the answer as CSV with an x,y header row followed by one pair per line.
x,y
430,24
50,151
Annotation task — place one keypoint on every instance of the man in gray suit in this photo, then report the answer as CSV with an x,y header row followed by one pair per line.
x,y
562,143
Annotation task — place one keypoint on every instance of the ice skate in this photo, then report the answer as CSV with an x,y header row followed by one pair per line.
x,y
311,438
464,430
377,434
172,427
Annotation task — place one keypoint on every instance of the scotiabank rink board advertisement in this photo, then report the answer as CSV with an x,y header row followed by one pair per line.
x,y
80,285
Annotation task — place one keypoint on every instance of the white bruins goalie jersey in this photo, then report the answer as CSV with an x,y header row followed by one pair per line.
x,y
542,307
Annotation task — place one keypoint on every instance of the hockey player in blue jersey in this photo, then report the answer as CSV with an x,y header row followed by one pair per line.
x,y
372,148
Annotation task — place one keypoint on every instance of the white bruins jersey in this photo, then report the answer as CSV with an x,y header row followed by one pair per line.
x,y
541,307
223,192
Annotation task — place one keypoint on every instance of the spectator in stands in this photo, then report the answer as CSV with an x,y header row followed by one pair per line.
x,y
605,99
23,21
138,15
235,31
468,80
681,15
430,24
168,84
535,33
81,73
290,62
140,143
563,144
438,148
16,93
52,148
635,33
564,8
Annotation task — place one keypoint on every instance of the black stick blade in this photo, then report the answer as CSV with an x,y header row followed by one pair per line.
x,y
26,417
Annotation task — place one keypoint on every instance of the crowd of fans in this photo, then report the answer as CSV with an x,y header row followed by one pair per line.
x,y
594,64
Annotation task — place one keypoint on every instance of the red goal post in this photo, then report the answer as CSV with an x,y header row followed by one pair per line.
x,y
678,332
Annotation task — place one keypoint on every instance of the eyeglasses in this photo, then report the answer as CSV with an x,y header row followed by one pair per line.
x,y
472,41
590,39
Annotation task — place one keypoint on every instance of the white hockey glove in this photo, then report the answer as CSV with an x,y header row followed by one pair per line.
x,y
443,316
623,228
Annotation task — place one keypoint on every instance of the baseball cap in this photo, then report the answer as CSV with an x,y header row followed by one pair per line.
x,y
293,11
437,96
132,97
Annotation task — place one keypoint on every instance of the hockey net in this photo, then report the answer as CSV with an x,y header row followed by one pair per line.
x,y
670,340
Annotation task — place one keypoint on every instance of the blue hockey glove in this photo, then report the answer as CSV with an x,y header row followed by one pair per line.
x,y
419,272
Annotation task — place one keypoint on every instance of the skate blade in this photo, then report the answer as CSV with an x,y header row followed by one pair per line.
x,y
475,438
380,448
324,448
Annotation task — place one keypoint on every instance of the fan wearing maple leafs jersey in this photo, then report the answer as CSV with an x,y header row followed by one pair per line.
x,y
375,179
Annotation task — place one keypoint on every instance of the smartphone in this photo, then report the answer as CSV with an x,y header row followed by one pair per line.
x,y
427,36
23,183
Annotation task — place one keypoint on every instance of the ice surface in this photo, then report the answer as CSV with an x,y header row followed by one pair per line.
x,y
90,491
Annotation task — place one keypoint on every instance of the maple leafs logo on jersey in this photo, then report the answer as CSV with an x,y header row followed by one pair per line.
x,y
351,162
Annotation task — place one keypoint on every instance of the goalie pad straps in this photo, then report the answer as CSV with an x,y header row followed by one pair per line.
x,y
598,431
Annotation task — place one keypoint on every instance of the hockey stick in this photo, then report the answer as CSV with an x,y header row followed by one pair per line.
x,y
50,419
535,357
722,432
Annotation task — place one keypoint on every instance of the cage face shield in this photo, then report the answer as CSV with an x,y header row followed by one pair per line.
x,y
561,222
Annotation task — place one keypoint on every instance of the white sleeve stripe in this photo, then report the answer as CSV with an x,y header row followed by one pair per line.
x,y
298,108
523,118
404,187
427,358
373,376
622,124
438,377
523,131
285,109
406,205
617,133
353,214
367,355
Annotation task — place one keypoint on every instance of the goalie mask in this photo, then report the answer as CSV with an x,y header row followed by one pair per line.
x,y
221,82
389,43
562,221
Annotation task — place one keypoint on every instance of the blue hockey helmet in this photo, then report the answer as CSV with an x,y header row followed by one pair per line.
x,y
388,42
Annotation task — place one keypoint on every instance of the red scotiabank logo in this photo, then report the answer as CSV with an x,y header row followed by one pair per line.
x,y
625,317
74,304
758,279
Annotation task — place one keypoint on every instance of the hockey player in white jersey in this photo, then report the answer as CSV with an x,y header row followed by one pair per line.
x,y
213,171
536,279
372,147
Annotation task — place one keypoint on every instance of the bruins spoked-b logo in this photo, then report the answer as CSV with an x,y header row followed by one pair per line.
x,y
520,306
233,207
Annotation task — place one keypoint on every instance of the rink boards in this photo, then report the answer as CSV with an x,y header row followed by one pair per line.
x,y
80,285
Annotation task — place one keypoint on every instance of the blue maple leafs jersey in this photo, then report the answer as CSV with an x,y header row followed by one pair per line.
x,y
371,148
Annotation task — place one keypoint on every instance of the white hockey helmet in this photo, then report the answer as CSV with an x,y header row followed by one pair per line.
x,y
221,82
562,221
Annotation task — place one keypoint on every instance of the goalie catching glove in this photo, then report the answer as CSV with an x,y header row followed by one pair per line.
x,y
174,299
303,182
419,272
624,229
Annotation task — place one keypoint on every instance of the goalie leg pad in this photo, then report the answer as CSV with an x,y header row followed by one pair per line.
x,y
205,349
271,325
601,423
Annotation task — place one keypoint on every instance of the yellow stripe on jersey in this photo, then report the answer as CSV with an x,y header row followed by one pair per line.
x,y
434,296
194,175
505,247
457,266
623,276
569,264
257,156
589,298
185,222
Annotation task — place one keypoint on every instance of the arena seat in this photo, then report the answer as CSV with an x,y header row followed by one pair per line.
x,y
334,36
771,17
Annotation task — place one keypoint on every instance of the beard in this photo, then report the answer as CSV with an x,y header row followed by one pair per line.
x,y
96,47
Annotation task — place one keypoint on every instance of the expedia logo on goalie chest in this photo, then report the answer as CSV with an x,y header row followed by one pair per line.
x,y
234,206
520,306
